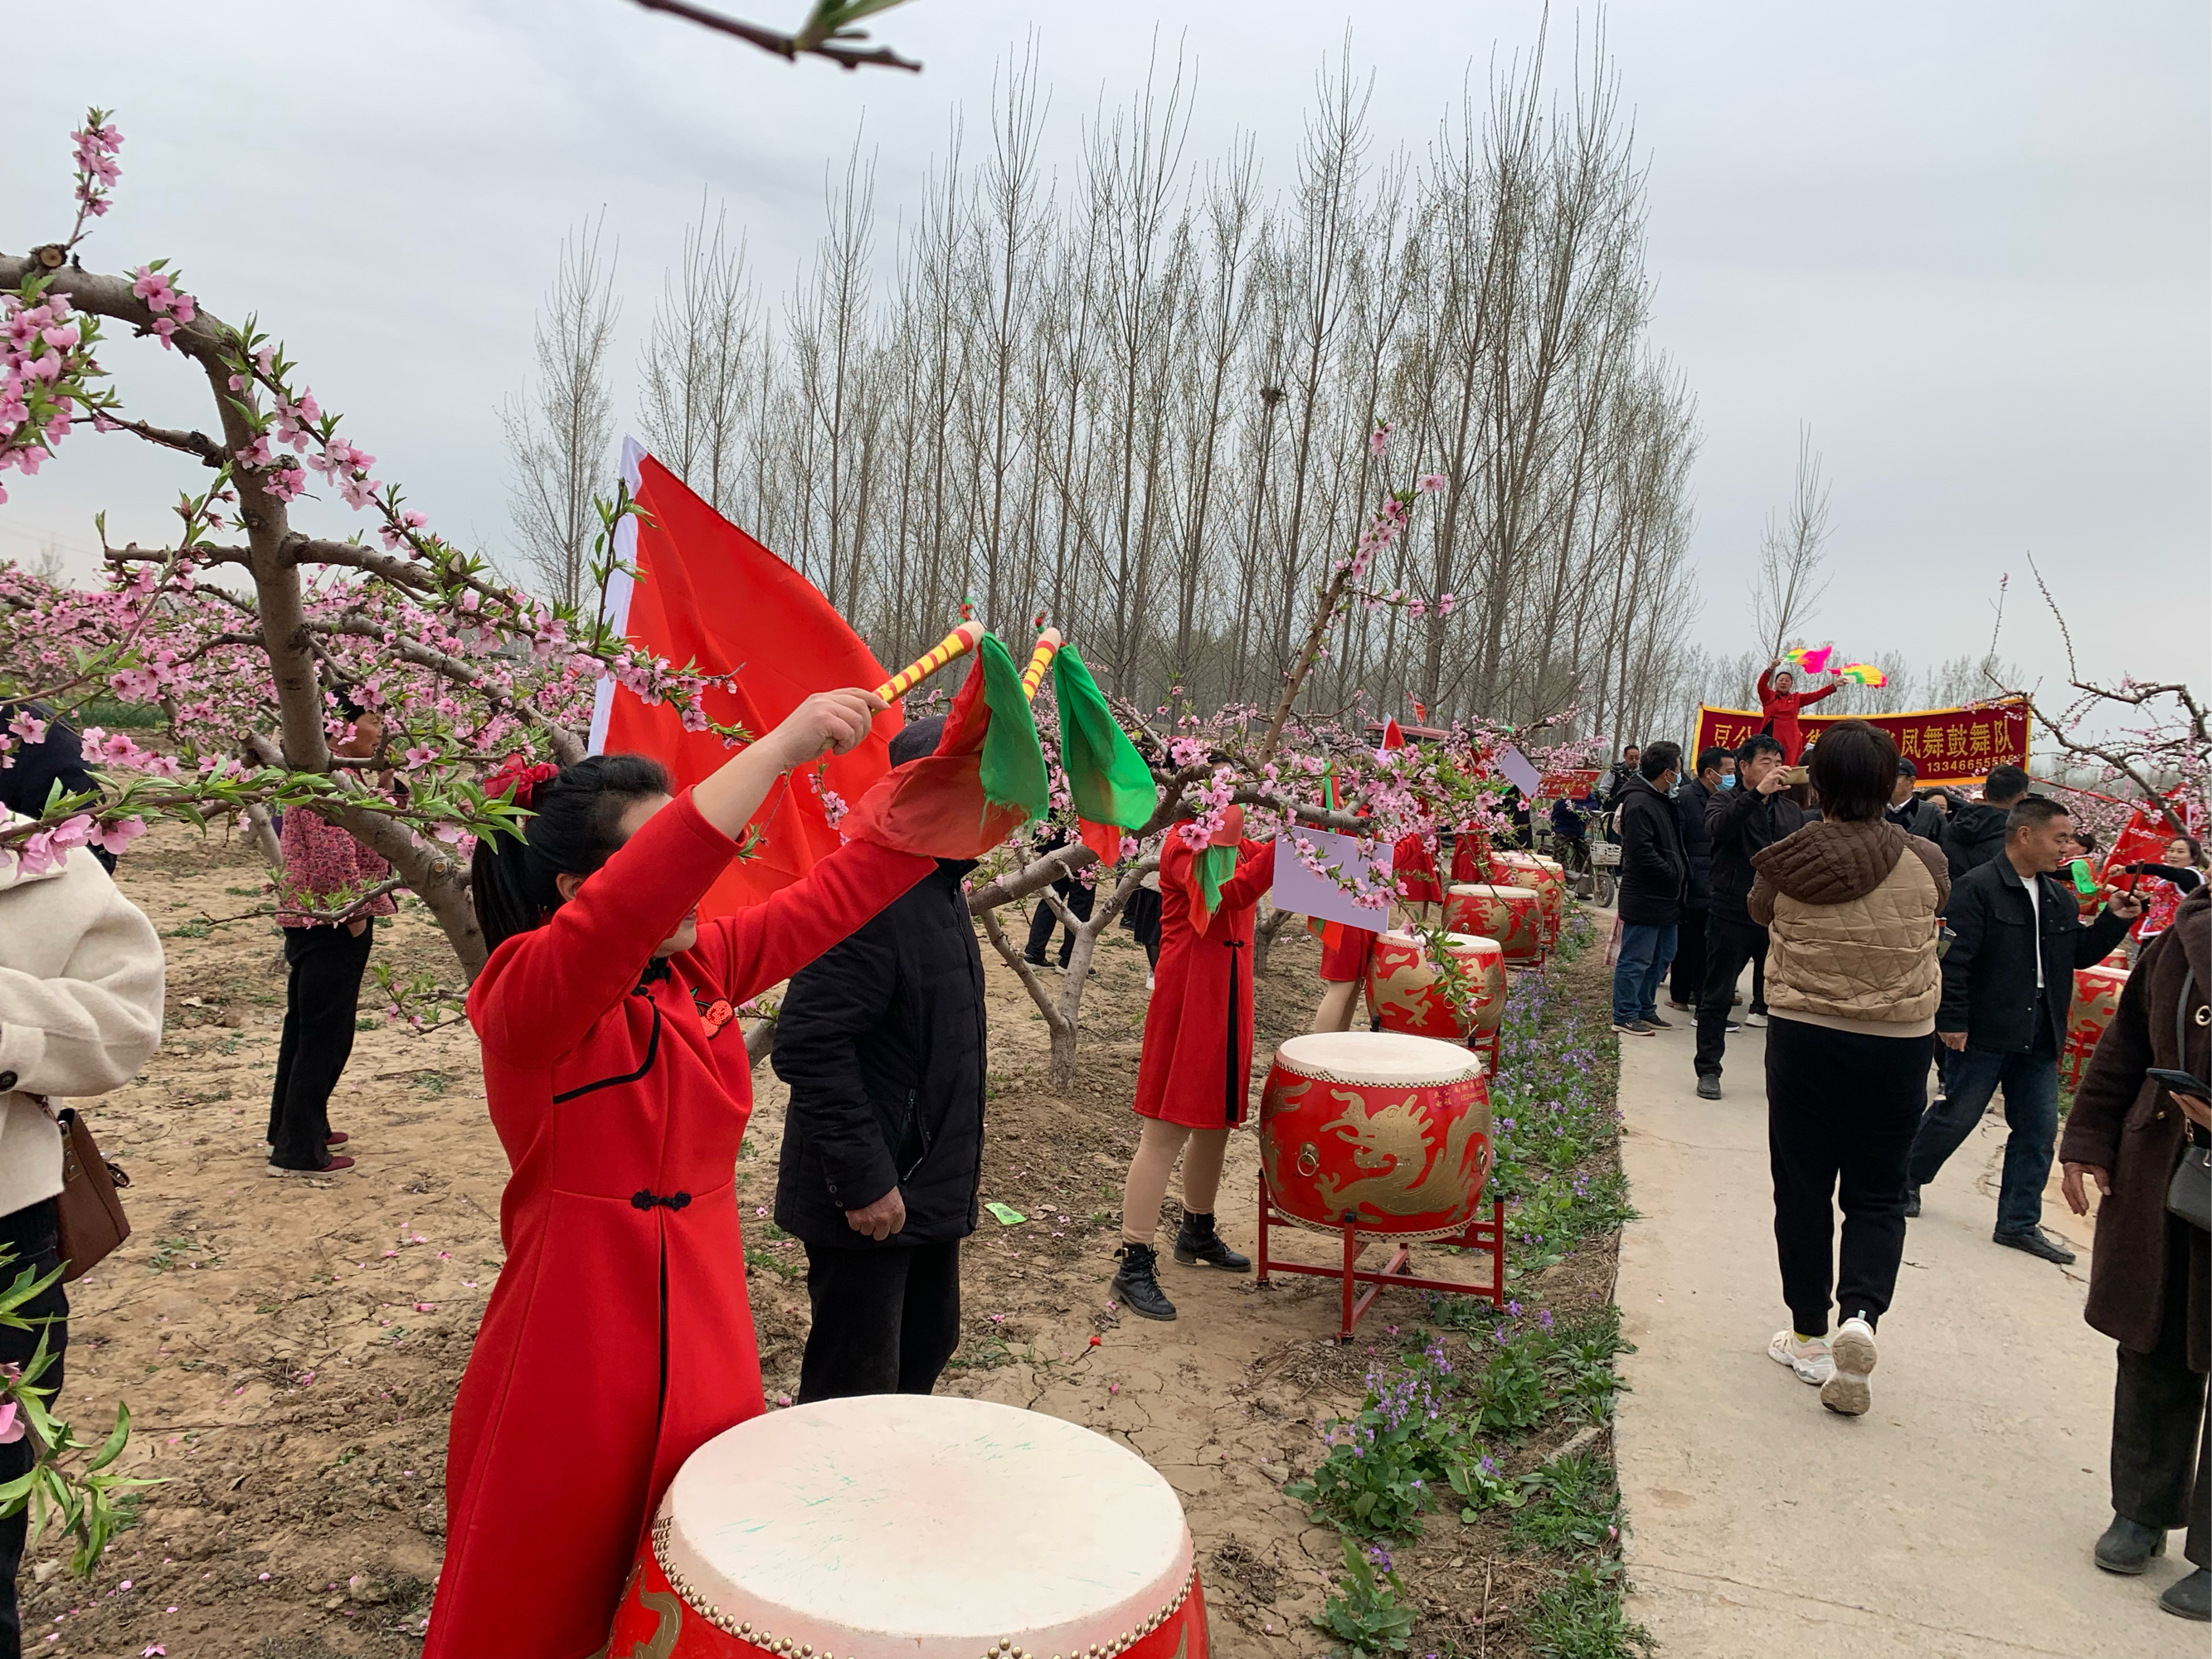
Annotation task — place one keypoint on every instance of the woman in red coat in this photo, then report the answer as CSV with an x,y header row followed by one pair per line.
x,y
1781,703
619,1337
1196,1070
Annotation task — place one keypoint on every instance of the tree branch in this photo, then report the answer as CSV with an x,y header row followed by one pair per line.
x,y
784,45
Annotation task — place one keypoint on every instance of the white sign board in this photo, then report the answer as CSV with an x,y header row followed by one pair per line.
x,y
1516,769
1301,891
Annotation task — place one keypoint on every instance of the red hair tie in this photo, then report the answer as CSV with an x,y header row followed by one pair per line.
x,y
521,779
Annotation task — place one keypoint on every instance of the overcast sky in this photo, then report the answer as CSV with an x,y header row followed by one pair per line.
x,y
1969,244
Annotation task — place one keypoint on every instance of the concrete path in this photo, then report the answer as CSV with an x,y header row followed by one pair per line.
x,y
1955,1520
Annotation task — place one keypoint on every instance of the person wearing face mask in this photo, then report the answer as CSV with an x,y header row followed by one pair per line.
x,y
619,1338
1655,881
1194,1076
1716,771
2016,939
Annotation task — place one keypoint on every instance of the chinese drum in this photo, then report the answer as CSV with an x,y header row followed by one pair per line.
x,y
1547,876
917,1526
1408,992
1514,916
2096,999
1389,1131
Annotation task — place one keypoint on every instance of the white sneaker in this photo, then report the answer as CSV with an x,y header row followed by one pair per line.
x,y
1810,1359
1756,1022
1847,1392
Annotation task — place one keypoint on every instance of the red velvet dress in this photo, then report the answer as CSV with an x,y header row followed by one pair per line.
x,y
1197,1069
1345,949
1781,710
619,1337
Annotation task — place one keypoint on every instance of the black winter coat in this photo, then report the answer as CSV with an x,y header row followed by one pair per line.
x,y
1655,873
1972,835
1690,809
882,1041
1742,822
1989,971
1922,818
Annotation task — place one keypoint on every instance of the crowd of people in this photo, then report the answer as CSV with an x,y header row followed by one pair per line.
x,y
1898,934
1889,931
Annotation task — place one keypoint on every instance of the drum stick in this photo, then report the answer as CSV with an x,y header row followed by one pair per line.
x,y
958,643
1047,647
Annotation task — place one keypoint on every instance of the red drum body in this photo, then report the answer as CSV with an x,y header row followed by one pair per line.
x,y
2096,999
923,1527
1548,877
1514,916
1391,1130
1408,992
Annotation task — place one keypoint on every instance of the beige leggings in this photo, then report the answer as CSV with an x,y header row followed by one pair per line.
x,y
1155,1160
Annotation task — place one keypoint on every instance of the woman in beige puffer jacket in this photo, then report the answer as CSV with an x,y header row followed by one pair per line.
x,y
1851,905
80,1012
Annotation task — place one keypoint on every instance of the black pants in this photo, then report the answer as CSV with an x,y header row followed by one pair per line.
x,y
1728,944
1841,1110
29,1234
321,998
1685,980
886,1319
1077,898
2159,1412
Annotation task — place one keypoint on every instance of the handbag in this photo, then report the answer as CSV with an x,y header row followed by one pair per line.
x,y
89,1222
2189,1191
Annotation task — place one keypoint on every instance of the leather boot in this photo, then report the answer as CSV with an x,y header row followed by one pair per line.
x,y
1137,1284
2128,1546
1197,1242
2190,1597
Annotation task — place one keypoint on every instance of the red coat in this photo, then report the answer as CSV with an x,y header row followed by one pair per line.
x,y
1781,711
1200,1018
621,1105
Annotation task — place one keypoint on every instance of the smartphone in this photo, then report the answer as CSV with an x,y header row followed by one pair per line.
x,y
2179,1083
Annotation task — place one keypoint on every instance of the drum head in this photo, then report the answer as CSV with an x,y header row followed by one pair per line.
x,y
1486,888
1390,1059
924,1526
1473,942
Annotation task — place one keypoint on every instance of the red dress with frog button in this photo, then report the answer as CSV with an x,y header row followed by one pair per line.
x,y
619,1338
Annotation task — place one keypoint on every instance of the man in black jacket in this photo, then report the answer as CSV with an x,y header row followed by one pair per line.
x,y
1923,819
2016,939
882,1041
1976,831
1654,878
1622,770
1741,821
1687,982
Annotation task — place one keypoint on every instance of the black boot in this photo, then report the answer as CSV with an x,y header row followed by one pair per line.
x,y
1197,1242
2129,1546
1137,1284
1911,1203
2190,1597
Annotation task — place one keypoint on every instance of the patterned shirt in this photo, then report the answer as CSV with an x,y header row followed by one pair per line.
x,y
323,863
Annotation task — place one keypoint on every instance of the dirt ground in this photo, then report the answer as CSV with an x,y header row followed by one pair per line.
x,y
290,1350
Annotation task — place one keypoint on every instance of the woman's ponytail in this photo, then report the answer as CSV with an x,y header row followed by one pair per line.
x,y
575,827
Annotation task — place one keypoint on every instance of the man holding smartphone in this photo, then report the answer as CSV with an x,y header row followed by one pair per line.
x,y
2017,937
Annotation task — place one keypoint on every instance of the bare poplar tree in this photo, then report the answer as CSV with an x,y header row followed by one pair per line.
x,y
1790,582
560,431
695,376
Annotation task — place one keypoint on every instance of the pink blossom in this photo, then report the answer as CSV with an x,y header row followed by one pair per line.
x,y
1379,439
113,838
12,1425
1430,484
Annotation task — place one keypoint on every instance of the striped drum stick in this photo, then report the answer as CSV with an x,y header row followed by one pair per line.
x,y
1047,647
958,643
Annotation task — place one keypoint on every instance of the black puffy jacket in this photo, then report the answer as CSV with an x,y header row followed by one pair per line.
x,y
882,1041
1691,806
1654,875
1973,834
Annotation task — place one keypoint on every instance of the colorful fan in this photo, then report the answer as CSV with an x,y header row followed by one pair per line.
x,y
1861,673
1813,661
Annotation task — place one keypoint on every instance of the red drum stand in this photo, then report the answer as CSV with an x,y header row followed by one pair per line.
x,y
1488,1236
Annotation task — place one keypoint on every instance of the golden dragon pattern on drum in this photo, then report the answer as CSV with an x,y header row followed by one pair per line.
x,y
1403,1171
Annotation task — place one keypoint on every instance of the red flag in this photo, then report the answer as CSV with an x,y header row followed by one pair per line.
x,y
1393,738
708,593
